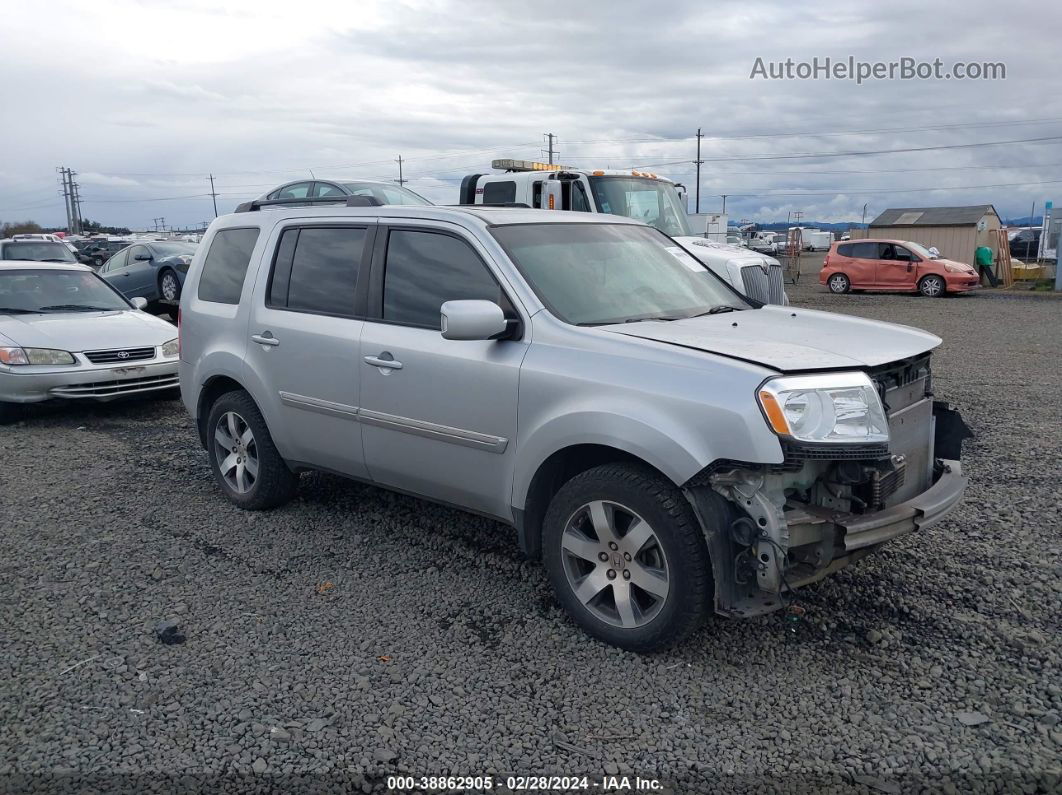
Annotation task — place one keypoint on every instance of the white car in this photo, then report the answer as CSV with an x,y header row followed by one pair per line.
x,y
65,334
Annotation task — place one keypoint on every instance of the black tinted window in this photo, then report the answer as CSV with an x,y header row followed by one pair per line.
x,y
323,269
846,251
499,192
425,270
864,250
226,265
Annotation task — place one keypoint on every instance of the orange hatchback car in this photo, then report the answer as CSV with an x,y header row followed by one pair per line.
x,y
895,265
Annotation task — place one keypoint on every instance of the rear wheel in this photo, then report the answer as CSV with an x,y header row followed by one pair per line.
x,y
169,285
839,283
932,286
626,557
243,458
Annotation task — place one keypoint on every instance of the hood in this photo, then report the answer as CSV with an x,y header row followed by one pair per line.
x,y
964,265
86,331
787,339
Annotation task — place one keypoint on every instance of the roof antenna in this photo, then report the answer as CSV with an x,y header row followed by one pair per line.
x,y
311,173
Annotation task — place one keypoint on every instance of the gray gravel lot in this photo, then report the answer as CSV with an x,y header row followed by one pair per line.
x,y
356,633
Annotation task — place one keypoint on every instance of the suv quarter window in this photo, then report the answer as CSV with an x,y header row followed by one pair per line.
x,y
425,268
316,268
226,265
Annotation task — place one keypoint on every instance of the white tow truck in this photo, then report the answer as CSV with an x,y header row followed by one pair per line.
x,y
642,195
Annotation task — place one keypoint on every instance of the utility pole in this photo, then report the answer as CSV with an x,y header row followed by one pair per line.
x,y
724,195
76,197
214,195
66,199
797,215
698,161
863,223
550,137
400,180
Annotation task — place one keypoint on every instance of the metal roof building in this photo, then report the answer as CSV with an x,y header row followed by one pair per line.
x,y
955,231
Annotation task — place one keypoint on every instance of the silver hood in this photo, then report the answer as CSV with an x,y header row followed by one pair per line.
x,y
788,339
85,331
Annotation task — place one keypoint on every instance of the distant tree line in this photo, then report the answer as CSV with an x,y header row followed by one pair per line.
x,y
31,227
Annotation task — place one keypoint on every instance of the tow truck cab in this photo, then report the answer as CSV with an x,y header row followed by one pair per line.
x,y
641,195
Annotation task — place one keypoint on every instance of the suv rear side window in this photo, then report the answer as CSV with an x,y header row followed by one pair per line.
x,y
226,265
424,270
317,269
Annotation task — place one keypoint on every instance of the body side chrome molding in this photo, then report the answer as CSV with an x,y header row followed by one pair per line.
x,y
320,406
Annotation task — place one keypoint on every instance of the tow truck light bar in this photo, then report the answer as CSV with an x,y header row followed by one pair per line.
x,y
527,165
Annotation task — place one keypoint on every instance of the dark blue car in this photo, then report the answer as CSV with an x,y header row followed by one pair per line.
x,y
153,270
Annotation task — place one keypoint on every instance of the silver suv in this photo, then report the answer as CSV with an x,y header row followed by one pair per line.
x,y
665,445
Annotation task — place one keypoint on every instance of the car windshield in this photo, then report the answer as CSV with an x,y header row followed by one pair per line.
x,y
38,251
386,194
173,249
921,251
595,274
46,291
650,201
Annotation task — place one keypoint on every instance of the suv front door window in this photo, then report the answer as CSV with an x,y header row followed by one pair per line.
x,y
439,418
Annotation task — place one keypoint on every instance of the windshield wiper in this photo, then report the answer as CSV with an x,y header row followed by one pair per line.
x,y
717,310
56,259
75,308
640,319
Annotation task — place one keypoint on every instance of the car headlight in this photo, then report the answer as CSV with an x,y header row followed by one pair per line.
x,y
21,356
834,408
170,348
957,268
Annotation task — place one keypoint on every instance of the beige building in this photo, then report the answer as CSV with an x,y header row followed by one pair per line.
x,y
955,231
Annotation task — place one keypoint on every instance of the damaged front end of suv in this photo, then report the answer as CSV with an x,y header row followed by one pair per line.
x,y
868,457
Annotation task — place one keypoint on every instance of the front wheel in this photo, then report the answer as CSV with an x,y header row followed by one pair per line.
x,y
169,286
626,557
932,286
243,458
839,283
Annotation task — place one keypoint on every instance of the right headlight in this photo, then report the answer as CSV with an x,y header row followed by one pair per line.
x,y
834,408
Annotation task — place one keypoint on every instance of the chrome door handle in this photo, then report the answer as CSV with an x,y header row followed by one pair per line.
x,y
388,364
265,339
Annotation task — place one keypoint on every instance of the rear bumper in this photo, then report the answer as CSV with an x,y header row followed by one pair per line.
x,y
37,384
925,510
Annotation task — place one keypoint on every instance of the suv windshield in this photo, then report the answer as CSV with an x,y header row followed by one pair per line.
x,y
650,201
386,194
37,291
38,251
595,274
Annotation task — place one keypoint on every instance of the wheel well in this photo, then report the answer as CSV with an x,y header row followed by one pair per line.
x,y
212,390
553,473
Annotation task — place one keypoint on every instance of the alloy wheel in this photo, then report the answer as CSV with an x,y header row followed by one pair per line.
x,y
169,287
615,564
236,452
932,286
838,283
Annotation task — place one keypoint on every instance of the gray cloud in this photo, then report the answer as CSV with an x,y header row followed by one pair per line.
x,y
262,95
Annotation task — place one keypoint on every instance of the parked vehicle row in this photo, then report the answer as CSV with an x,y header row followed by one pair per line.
x,y
662,443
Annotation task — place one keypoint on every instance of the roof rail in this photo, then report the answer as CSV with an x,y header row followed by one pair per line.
x,y
491,204
349,201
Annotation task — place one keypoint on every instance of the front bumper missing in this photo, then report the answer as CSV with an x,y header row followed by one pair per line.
x,y
918,513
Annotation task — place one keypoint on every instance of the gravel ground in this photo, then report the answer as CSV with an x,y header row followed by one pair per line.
x,y
356,633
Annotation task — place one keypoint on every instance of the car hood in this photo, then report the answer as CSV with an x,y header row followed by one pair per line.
x,y
942,262
86,331
787,339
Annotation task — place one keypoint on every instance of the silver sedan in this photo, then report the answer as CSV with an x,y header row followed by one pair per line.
x,y
65,334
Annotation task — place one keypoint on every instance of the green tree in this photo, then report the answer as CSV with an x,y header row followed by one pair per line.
x,y
19,228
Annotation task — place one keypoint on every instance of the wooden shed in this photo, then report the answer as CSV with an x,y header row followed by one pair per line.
x,y
955,231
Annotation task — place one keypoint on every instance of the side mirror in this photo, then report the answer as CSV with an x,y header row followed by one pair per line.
x,y
142,257
138,302
472,320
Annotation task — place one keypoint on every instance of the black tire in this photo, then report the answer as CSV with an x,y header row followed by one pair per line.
x,y
162,285
274,484
98,262
839,283
8,412
651,497
932,286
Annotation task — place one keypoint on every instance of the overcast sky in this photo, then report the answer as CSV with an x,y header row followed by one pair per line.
x,y
146,98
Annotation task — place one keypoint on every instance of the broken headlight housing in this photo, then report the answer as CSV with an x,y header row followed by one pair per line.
x,y
833,408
